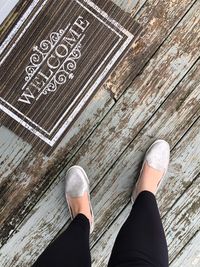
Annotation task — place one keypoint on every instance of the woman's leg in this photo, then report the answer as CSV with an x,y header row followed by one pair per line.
x,y
141,240
71,248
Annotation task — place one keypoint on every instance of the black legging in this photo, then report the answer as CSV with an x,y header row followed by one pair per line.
x,y
140,242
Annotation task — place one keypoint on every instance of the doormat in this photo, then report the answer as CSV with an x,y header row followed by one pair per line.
x,y
54,59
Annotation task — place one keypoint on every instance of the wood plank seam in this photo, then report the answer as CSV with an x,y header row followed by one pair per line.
x,y
184,248
185,190
188,130
147,62
159,46
164,40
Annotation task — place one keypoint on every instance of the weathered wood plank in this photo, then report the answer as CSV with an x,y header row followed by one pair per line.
x,y
50,214
181,168
158,19
177,229
190,255
130,6
183,220
12,151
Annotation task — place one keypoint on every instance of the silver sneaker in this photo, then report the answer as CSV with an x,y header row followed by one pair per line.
x,y
76,184
157,156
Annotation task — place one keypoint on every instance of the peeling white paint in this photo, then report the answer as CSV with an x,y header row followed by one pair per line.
x,y
180,63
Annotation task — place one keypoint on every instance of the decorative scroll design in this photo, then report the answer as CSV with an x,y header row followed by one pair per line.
x,y
42,51
65,71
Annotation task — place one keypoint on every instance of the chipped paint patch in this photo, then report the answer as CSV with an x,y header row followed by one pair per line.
x,y
180,63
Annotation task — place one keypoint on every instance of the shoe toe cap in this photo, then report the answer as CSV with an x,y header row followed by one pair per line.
x,y
75,183
158,155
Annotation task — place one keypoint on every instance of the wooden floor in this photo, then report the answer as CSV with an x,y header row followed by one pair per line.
x,y
153,93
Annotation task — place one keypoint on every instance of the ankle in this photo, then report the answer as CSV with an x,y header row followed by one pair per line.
x,y
140,187
86,214
82,210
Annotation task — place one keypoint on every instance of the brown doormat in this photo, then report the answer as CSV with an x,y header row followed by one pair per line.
x,y
54,58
